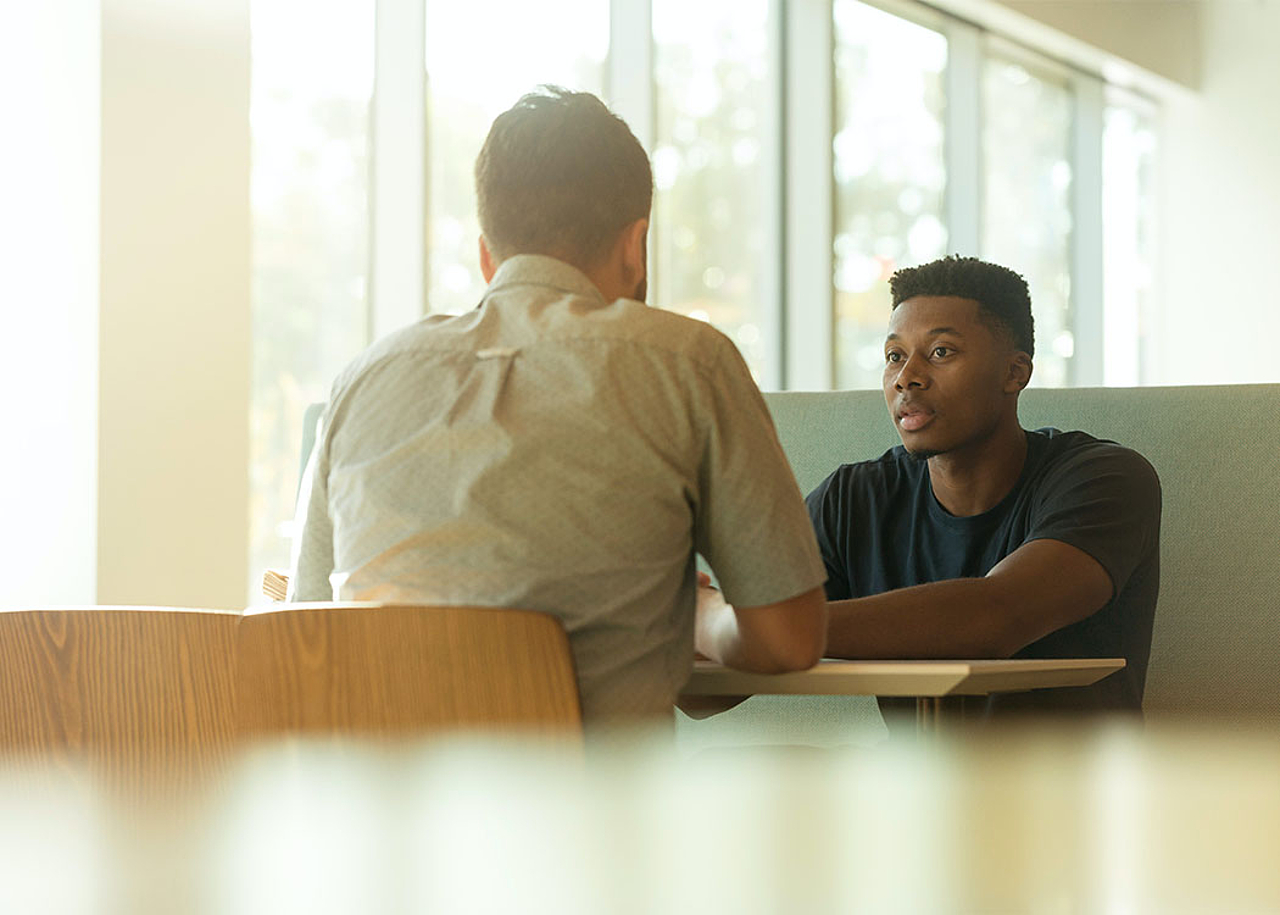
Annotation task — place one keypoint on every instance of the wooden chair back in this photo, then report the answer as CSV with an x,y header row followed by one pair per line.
x,y
403,671
117,687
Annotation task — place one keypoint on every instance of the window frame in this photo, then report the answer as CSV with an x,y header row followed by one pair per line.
x,y
799,316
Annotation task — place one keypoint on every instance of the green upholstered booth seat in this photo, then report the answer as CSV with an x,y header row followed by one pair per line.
x,y
1216,645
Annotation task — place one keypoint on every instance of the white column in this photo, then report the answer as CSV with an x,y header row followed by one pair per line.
x,y
174,336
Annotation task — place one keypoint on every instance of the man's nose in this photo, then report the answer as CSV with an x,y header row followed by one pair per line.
x,y
912,374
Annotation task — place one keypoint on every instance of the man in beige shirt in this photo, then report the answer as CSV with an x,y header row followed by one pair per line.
x,y
563,447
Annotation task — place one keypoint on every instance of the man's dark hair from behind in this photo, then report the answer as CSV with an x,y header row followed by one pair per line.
x,y
1000,293
560,175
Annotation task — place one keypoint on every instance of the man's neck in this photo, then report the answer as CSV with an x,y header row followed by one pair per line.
x,y
974,479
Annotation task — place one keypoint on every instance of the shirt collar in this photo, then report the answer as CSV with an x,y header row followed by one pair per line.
x,y
540,270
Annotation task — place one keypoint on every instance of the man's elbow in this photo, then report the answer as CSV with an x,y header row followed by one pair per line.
x,y
805,639
810,654
794,655
1006,633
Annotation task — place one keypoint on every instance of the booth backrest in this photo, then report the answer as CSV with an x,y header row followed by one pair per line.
x,y
1216,645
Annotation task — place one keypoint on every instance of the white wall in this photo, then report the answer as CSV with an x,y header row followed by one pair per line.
x,y
1219,319
48,301
174,345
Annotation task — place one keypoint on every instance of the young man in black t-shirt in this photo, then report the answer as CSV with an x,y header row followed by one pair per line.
x,y
976,538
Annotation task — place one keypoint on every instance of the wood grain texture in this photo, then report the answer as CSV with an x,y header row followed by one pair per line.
x,y
275,584
401,671
120,688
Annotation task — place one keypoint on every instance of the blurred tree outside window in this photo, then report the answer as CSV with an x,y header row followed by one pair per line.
x,y
1128,229
889,159
1026,216
481,57
716,238
312,81
713,88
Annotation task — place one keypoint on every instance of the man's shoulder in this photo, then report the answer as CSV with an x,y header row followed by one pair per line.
x,y
416,337
884,474
1081,452
635,323
1079,445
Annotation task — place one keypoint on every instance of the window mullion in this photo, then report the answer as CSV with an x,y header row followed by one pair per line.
x,y
628,82
397,167
1087,281
964,139
809,194
629,77
774,268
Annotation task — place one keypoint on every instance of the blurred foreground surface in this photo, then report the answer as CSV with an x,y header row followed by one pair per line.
x,y
1054,821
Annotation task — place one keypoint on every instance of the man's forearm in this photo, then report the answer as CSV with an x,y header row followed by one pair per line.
x,y
775,638
960,618
1038,588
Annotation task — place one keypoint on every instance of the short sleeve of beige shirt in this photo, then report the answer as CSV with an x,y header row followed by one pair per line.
x,y
751,525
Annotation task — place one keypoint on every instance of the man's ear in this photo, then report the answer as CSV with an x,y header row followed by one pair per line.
x,y
633,248
487,266
1019,375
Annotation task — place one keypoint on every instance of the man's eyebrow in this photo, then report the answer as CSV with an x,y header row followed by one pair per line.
x,y
934,332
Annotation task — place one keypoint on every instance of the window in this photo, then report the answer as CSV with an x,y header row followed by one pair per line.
x,y
312,80
1026,204
890,173
802,152
467,89
715,170
1128,228
313,160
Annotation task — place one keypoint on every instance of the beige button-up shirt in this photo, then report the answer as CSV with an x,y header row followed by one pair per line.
x,y
553,451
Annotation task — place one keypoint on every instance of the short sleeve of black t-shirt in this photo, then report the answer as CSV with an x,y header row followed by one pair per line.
x,y
1104,500
880,528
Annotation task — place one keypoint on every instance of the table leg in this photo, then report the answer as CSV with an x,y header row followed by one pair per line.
x,y
935,714
928,715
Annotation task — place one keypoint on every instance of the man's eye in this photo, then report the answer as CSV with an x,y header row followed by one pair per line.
x,y
942,351
893,357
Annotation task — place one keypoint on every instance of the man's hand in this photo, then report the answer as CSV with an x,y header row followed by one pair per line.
x,y
704,584
709,601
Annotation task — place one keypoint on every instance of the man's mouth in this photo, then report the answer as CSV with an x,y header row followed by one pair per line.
x,y
913,419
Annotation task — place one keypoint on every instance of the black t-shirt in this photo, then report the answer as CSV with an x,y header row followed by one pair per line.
x,y
880,528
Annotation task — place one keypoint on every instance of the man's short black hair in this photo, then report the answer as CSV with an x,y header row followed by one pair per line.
x,y
1000,293
562,175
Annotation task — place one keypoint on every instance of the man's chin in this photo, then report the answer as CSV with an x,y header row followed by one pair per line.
x,y
920,454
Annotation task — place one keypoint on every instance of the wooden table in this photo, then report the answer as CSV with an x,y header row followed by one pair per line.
x,y
930,682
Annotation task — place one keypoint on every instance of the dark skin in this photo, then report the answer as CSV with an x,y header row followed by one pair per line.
x,y
951,383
